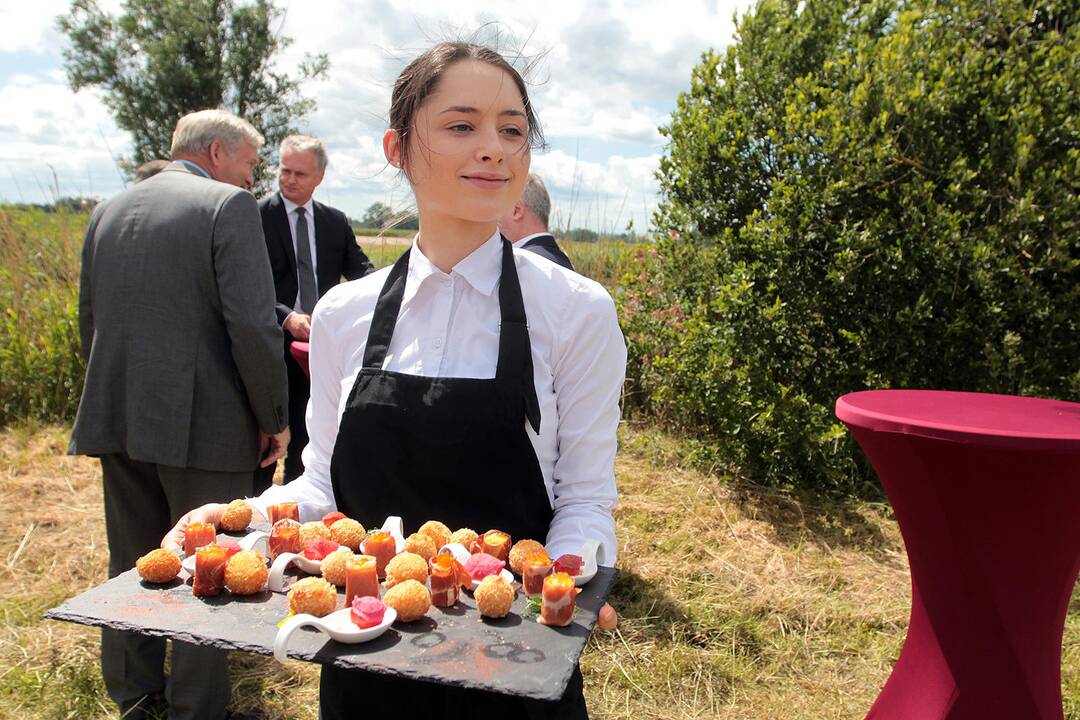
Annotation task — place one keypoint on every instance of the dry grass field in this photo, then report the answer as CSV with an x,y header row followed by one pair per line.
x,y
735,602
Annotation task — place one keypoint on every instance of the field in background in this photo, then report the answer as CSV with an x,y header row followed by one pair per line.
x,y
735,602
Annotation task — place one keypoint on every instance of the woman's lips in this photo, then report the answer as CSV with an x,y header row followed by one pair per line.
x,y
486,183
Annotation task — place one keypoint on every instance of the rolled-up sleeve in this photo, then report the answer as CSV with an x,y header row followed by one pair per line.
x,y
589,367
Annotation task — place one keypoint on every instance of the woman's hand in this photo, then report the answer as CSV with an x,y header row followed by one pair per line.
x,y
607,619
209,513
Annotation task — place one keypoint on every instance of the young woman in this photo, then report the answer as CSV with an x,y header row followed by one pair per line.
x,y
469,383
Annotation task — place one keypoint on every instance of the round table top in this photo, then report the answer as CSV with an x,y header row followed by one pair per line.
x,y
986,419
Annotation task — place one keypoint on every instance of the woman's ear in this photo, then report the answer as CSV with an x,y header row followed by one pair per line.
x,y
391,143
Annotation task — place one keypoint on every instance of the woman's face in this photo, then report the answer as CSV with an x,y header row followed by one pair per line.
x,y
469,153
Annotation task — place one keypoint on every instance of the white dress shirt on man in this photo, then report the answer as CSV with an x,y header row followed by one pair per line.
x,y
448,326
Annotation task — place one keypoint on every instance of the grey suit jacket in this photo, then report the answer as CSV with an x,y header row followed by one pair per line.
x,y
176,316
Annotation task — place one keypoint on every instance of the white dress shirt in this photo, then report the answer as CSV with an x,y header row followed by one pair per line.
x,y
520,243
309,218
448,326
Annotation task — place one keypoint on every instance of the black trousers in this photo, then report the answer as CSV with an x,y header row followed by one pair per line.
x,y
299,393
342,692
142,503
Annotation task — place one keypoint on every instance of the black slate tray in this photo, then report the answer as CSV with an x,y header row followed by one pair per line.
x,y
515,655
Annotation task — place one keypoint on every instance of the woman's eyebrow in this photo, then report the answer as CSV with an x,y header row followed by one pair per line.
x,y
473,111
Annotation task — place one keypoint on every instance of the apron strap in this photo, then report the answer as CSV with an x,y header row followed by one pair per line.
x,y
515,351
386,312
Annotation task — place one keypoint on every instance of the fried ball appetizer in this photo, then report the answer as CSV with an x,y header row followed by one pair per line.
x,y
347,532
314,530
313,596
521,550
333,565
246,573
465,536
237,516
158,566
422,545
410,599
437,531
494,596
405,566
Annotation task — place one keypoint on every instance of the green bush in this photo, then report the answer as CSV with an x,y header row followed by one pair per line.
x,y
41,369
862,196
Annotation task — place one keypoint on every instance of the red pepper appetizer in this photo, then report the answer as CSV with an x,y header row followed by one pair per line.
x,y
284,537
318,549
196,535
210,563
557,600
569,564
367,612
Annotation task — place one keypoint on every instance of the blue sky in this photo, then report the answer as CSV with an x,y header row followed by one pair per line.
x,y
611,73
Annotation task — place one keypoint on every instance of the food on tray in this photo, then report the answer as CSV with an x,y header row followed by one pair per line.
x,y
494,542
333,565
569,564
464,536
480,565
236,517
437,531
158,566
361,578
246,573
521,550
422,545
410,599
382,546
557,600
534,569
314,530
317,549
332,517
231,546
366,611
196,535
313,596
494,596
405,566
447,577
347,532
209,570
284,537
282,511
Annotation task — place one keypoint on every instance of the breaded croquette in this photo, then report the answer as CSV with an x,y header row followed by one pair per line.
x,y
347,532
314,530
437,531
158,566
465,536
333,565
521,550
313,596
410,599
406,566
237,516
422,545
246,573
494,596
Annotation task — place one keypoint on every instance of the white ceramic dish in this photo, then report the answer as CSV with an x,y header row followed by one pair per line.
x,y
337,625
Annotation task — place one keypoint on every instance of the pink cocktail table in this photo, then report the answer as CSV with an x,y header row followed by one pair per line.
x,y
986,490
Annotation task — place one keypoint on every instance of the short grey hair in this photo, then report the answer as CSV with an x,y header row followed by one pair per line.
x,y
536,198
196,131
303,143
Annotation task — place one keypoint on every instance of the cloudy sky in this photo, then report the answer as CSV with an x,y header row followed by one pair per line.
x,y
610,75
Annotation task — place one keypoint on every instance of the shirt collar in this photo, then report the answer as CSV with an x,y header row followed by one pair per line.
x,y
290,206
194,167
481,268
527,238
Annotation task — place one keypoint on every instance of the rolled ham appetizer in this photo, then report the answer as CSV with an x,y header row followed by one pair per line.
x,y
282,511
284,537
494,543
557,600
197,535
534,569
446,578
210,563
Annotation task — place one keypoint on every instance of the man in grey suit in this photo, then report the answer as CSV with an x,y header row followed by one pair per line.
x,y
185,383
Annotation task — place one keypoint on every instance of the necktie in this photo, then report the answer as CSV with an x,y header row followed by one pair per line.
x,y
305,273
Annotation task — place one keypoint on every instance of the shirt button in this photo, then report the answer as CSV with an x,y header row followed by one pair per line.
x,y
438,342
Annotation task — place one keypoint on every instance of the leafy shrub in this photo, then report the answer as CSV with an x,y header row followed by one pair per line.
x,y
41,369
862,196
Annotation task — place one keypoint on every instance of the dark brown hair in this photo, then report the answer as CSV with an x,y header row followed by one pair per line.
x,y
419,80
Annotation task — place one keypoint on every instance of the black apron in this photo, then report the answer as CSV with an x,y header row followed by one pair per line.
x,y
449,449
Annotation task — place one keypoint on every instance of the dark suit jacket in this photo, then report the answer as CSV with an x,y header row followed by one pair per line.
x,y
336,251
183,352
546,246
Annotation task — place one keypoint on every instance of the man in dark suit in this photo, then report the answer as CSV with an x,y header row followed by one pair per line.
x,y
526,225
311,247
185,387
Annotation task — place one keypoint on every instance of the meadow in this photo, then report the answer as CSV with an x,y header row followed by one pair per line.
x,y
736,601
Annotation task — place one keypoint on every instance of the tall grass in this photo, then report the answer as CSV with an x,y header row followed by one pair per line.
x,y
41,369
